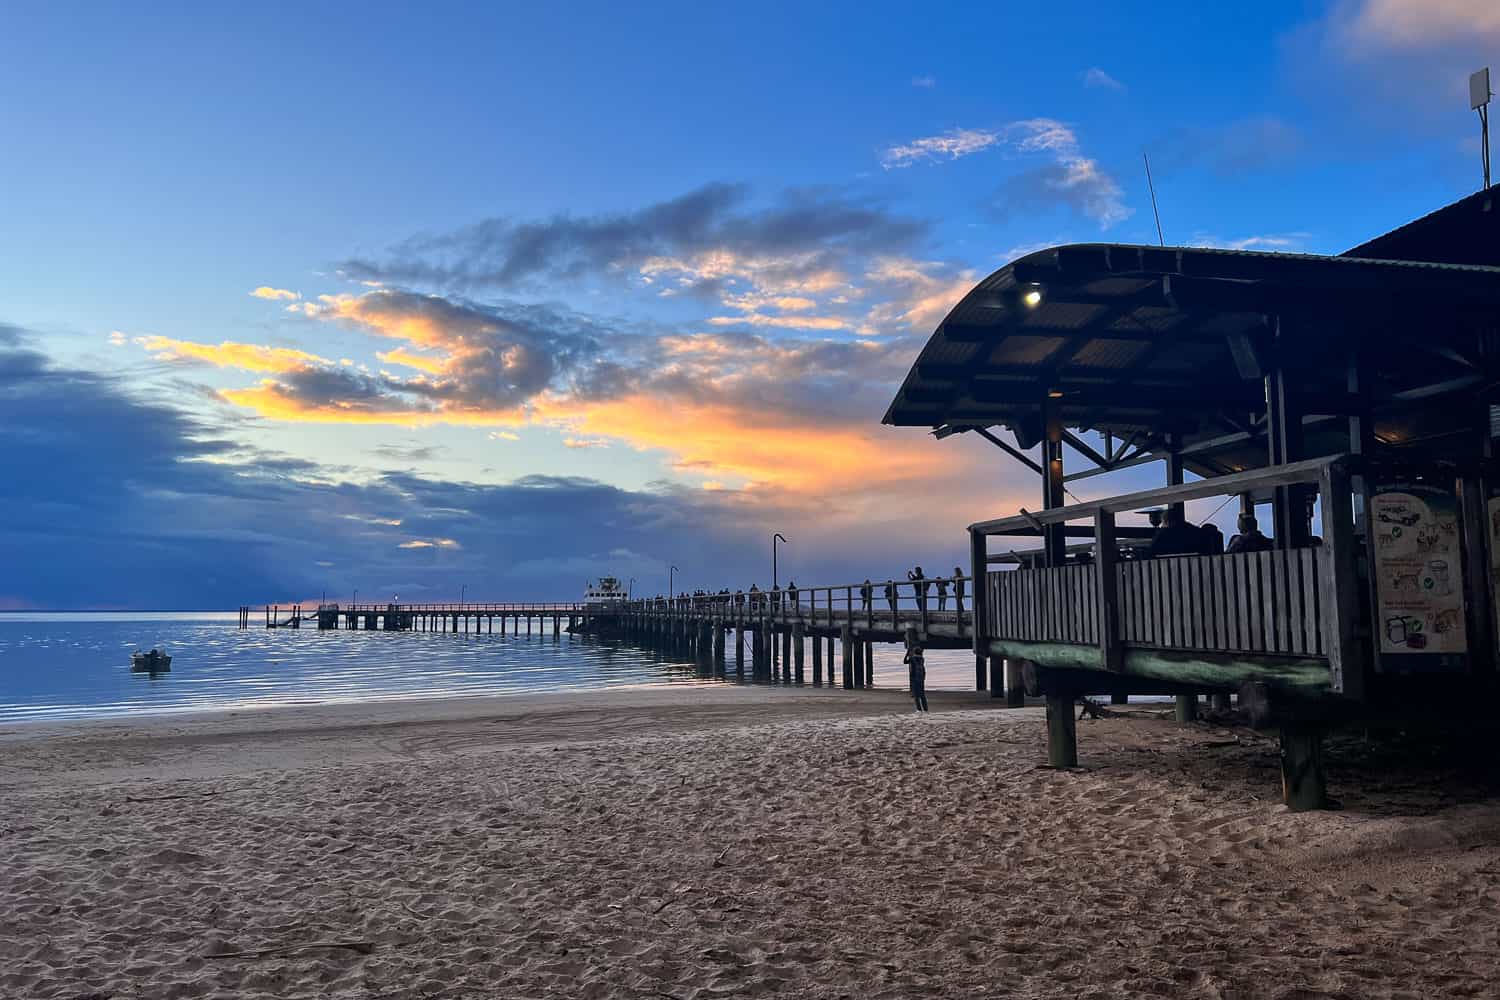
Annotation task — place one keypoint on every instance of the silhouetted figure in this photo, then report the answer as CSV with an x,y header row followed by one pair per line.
x,y
916,675
958,590
1175,537
866,595
754,598
792,606
1212,539
942,592
775,600
1249,539
918,587
890,598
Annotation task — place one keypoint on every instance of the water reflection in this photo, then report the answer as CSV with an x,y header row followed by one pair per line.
x,y
76,666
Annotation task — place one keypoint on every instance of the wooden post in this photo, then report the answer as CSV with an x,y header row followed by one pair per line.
x,y
859,663
719,646
1339,583
1119,699
1106,592
1054,539
869,663
797,645
846,641
817,658
1303,783
830,651
1219,701
1187,708
786,655
1015,689
1062,736
739,652
997,676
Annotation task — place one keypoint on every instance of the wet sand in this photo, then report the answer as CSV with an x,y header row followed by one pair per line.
x,y
721,842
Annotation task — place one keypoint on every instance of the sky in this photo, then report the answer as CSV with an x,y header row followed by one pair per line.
x,y
496,299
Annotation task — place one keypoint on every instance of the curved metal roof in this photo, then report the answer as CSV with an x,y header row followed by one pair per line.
x,y
1149,341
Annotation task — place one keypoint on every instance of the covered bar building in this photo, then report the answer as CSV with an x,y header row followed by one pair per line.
x,y
1348,401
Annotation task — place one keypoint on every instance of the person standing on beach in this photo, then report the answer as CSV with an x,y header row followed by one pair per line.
x,y
916,673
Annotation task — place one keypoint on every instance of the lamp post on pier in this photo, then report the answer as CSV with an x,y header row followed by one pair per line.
x,y
670,578
355,603
462,591
775,583
630,590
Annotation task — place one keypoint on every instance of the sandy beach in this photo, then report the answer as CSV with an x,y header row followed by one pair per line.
x,y
723,842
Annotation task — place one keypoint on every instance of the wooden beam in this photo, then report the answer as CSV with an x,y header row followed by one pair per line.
x,y
1304,678
1308,471
1339,584
1107,597
1013,452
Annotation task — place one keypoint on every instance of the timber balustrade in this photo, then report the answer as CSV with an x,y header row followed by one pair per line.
x,y
1288,615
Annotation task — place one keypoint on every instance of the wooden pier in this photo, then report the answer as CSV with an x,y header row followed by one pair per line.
x,y
472,619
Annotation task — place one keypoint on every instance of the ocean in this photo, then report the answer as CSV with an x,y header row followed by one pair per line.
x,y
76,665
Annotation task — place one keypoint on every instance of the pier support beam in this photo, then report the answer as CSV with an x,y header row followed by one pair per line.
x,y
859,663
869,663
846,641
1015,688
817,657
997,676
1062,735
739,653
1187,708
797,650
786,655
1303,783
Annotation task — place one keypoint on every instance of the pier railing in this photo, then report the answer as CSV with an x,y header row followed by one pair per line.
x,y
925,603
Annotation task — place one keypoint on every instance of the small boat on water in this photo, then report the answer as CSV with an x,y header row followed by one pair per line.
x,y
154,662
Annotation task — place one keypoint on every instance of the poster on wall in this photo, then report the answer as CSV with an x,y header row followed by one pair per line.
x,y
1418,578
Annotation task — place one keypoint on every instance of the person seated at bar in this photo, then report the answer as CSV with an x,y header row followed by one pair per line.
x,y
1249,539
1212,539
1175,537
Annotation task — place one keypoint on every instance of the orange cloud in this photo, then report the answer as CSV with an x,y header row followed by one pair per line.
x,y
421,362
270,398
250,357
267,292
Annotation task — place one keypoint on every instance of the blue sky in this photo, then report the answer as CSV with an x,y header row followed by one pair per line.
x,y
666,258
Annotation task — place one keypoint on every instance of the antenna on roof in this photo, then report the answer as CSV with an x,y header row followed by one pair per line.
x,y
1159,238
1479,100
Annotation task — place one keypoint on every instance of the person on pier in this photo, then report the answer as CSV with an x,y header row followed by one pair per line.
x,y
791,596
942,592
916,675
919,584
958,591
890,598
866,595
754,597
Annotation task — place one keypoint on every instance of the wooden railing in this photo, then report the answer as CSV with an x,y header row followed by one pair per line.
x,y
1261,602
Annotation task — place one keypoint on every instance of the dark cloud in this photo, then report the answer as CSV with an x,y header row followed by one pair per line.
x,y
117,501
506,253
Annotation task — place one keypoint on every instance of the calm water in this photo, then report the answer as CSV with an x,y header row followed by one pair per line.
x,y
70,666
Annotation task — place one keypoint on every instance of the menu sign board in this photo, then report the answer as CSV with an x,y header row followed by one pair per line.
x,y
1418,578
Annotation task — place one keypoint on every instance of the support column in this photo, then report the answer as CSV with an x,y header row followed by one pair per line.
x,y
1054,540
817,658
1187,708
1062,736
786,655
1219,701
997,676
739,653
978,568
797,650
869,663
846,641
1015,688
859,663
1303,783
